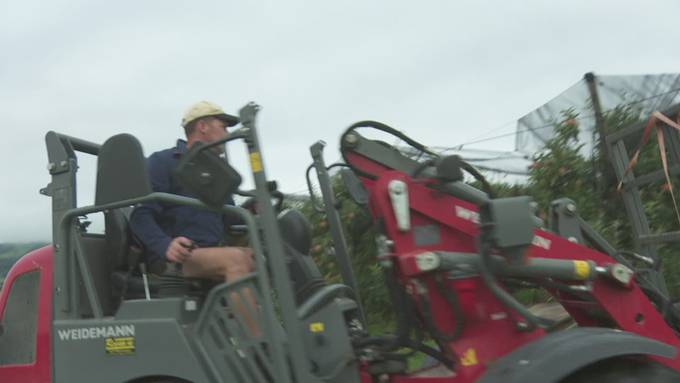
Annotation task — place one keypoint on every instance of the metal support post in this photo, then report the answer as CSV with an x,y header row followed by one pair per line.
x,y
335,225
293,325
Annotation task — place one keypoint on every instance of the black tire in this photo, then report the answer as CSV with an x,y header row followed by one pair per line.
x,y
624,370
159,379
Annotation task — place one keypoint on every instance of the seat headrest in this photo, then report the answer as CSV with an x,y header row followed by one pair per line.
x,y
121,170
296,230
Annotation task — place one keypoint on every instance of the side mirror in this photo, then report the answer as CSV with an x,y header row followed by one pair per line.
x,y
204,173
354,186
510,225
449,169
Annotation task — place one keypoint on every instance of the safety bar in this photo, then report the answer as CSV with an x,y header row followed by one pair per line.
x,y
78,144
337,233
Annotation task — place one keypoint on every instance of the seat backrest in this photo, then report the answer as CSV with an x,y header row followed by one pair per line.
x,y
121,170
296,230
121,175
118,237
296,233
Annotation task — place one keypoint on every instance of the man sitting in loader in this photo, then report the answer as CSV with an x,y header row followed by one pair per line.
x,y
182,235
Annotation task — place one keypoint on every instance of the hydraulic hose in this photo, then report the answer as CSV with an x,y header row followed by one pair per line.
x,y
381,341
405,321
506,298
387,129
425,349
479,177
315,202
399,298
426,312
415,144
452,299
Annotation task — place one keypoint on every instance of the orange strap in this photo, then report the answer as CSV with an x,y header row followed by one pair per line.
x,y
653,123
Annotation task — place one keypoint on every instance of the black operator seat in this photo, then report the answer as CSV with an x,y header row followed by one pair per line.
x,y
121,175
124,256
311,291
296,233
118,237
296,230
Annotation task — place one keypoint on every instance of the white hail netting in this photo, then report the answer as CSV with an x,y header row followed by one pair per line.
x,y
642,94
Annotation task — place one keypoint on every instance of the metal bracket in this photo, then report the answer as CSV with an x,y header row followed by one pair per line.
x,y
247,114
47,190
60,167
399,198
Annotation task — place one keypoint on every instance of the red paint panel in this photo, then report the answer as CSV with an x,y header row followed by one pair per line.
x,y
40,370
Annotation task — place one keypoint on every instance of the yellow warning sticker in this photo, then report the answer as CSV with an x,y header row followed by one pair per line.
x,y
316,327
469,358
581,269
255,162
120,346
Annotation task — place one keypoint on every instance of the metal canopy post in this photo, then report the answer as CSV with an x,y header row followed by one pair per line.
x,y
63,166
335,225
272,236
600,128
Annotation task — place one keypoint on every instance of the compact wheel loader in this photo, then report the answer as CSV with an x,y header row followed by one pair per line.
x,y
87,308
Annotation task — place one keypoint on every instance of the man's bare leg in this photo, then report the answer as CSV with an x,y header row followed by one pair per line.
x,y
228,264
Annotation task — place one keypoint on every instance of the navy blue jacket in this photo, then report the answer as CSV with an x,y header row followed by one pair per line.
x,y
156,224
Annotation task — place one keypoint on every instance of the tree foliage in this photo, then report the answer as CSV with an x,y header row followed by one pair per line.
x,y
360,237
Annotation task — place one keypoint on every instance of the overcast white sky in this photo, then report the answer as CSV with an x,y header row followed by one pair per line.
x,y
444,72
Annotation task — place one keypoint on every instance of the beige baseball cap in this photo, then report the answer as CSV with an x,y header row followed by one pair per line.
x,y
206,109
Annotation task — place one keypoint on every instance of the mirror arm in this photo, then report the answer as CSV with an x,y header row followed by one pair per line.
x,y
245,193
238,134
